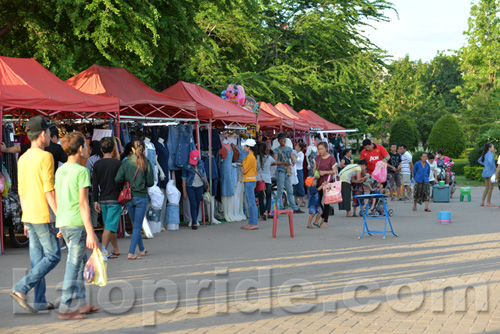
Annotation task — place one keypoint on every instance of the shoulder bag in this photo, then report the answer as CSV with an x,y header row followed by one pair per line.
x,y
126,193
332,192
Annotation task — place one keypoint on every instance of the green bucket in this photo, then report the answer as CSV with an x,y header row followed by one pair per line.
x,y
441,183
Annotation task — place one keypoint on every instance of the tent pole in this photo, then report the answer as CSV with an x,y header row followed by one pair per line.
x,y
211,214
1,202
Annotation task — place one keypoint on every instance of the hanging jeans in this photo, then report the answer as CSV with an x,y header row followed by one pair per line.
x,y
185,145
285,181
172,143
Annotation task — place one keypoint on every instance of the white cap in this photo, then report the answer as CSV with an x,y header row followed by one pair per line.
x,y
249,142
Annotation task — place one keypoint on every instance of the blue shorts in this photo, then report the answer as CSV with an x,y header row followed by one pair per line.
x,y
315,209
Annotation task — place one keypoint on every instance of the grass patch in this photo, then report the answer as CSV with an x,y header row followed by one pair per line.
x,y
463,181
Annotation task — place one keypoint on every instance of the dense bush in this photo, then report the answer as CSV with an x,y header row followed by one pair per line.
x,y
458,166
474,173
404,131
447,135
474,156
490,136
416,156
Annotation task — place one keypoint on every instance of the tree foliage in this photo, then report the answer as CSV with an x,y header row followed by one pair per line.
x,y
447,135
404,131
310,54
480,64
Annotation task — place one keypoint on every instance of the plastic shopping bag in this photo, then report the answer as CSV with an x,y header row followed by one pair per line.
x,y
96,269
332,193
380,171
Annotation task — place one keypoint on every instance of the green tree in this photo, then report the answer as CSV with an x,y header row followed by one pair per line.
x,y
480,64
447,135
444,77
405,90
404,131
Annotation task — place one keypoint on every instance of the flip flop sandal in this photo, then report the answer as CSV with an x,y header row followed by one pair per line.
x,y
317,225
137,257
73,316
252,227
427,210
323,225
244,227
310,226
115,254
145,252
92,309
112,256
50,306
22,303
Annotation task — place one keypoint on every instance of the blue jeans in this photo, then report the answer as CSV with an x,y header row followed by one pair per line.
x,y
172,143
45,254
286,181
194,196
250,200
137,211
75,238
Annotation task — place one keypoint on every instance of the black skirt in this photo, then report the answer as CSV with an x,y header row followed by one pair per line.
x,y
346,197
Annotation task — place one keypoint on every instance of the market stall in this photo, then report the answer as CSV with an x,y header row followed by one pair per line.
x,y
26,89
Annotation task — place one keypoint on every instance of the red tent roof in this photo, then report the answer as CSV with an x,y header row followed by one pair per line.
x,y
311,115
25,84
209,105
301,123
135,96
270,116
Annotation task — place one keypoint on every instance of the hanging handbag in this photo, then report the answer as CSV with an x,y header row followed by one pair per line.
x,y
332,192
126,193
205,184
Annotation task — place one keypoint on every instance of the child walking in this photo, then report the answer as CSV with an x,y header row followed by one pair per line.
x,y
73,220
314,202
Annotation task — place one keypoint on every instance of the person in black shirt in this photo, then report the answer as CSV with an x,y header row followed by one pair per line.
x,y
394,171
106,193
57,152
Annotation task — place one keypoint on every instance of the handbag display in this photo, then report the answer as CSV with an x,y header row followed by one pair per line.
x,y
332,192
126,193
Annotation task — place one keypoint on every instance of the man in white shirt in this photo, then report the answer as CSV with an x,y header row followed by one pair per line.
x,y
406,168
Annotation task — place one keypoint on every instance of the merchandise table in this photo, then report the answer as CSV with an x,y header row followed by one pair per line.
x,y
366,216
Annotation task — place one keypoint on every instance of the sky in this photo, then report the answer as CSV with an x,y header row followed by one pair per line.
x,y
423,28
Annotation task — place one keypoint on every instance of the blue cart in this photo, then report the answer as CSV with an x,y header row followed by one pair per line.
x,y
367,216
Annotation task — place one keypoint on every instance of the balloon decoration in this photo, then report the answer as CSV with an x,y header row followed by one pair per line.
x,y
251,105
234,94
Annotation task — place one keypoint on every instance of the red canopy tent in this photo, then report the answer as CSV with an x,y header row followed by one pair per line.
x,y
318,119
209,105
25,85
136,98
269,116
28,87
301,123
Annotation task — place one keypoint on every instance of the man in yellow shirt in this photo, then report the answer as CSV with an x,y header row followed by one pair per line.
x,y
36,192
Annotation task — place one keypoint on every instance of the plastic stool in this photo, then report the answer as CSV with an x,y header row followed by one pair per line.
x,y
444,217
464,195
275,220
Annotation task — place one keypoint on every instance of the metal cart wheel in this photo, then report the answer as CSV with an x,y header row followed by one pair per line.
x,y
390,212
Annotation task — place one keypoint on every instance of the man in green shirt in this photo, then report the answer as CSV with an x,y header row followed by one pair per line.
x,y
73,219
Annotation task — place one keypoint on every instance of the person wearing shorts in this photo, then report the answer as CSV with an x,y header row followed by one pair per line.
x,y
314,201
106,193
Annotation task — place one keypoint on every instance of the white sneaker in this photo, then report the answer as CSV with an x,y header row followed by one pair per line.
x,y
189,225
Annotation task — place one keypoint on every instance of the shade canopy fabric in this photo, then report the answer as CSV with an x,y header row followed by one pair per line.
x,y
301,123
26,84
209,105
136,98
269,116
311,115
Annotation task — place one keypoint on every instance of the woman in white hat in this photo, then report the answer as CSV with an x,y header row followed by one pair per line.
x,y
249,170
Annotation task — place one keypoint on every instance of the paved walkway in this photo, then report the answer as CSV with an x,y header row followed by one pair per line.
x,y
221,279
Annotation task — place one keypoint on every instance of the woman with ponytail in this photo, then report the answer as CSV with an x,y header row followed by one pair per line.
x,y
138,172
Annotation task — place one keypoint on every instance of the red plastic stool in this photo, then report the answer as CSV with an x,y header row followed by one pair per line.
x,y
275,220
